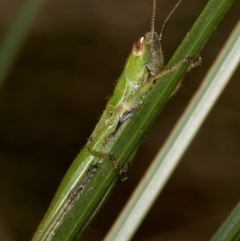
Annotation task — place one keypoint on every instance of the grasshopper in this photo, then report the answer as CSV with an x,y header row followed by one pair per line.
x,y
143,67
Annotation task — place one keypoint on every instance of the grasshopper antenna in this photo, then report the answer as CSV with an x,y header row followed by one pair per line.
x,y
153,19
167,18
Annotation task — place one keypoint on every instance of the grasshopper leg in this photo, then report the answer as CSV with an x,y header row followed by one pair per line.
x,y
193,63
122,171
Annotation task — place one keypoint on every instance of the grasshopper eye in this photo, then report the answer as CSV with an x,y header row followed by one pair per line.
x,y
138,47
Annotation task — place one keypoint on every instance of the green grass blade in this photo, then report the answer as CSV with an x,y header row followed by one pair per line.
x,y
230,229
186,128
99,188
16,34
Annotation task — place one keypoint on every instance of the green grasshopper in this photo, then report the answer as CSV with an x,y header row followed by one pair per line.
x,y
143,67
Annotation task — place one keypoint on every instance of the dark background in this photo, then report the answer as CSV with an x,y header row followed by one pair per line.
x,y
56,91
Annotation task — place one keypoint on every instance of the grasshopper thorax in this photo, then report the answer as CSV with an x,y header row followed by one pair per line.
x,y
155,54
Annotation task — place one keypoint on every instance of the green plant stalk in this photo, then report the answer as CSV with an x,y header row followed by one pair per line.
x,y
101,185
230,229
15,36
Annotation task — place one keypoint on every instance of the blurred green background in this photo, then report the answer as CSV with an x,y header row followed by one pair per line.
x,y
56,91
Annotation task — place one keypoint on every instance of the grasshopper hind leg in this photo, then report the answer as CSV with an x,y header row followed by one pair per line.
x,y
122,171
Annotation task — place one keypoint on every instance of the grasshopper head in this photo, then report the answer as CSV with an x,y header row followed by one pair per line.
x,y
150,45
138,47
